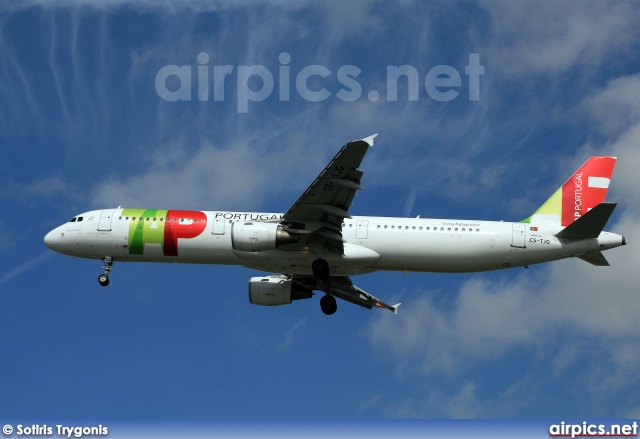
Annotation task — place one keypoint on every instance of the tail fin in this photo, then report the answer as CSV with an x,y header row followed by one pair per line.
x,y
582,192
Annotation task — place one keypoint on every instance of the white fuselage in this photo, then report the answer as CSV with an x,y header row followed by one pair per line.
x,y
370,243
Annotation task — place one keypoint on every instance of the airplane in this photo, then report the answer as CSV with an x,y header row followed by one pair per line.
x,y
317,245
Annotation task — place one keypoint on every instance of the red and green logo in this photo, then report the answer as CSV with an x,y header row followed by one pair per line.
x,y
164,227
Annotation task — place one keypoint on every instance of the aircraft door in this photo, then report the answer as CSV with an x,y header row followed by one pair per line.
x,y
518,235
104,224
362,230
218,226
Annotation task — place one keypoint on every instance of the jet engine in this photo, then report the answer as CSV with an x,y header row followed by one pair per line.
x,y
255,237
275,290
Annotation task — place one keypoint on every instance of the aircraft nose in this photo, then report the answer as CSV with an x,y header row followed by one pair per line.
x,y
51,239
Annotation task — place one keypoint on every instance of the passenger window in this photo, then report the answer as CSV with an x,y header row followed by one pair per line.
x,y
154,219
385,227
456,229
463,229
119,218
147,218
161,219
133,219
477,230
181,220
127,218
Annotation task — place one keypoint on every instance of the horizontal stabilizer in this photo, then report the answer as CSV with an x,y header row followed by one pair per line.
x,y
594,258
589,225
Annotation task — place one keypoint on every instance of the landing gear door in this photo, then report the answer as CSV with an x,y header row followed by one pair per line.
x,y
518,235
218,226
104,225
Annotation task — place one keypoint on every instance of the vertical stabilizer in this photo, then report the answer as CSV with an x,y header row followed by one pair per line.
x,y
582,192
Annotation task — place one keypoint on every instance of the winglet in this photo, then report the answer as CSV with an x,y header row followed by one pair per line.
x,y
369,139
394,308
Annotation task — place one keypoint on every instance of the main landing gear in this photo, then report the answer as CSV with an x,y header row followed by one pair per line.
x,y
322,272
103,279
328,304
320,269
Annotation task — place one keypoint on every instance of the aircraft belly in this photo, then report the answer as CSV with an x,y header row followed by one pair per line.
x,y
356,260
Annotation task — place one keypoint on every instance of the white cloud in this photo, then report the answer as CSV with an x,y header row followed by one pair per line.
x,y
573,314
553,37
617,105
240,176
24,267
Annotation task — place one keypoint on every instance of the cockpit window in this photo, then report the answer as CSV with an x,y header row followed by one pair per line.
x,y
79,218
73,220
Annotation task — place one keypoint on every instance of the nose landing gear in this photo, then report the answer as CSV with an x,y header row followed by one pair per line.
x,y
103,279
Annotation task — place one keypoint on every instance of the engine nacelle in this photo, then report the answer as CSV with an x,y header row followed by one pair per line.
x,y
255,237
275,290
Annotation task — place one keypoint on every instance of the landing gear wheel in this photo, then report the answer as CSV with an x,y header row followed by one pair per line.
x,y
320,269
108,265
328,304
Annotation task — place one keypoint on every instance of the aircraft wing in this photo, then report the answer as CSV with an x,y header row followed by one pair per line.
x,y
342,287
322,208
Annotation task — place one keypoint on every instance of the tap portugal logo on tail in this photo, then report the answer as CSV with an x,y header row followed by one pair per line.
x,y
164,227
582,192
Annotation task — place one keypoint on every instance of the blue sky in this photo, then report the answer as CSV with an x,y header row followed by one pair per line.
x,y
82,126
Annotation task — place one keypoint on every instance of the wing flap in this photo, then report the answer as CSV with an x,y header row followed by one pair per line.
x,y
343,288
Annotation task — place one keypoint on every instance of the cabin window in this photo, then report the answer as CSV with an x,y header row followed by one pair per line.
x,y
161,219
133,219
385,227
448,229
456,229
378,226
477,230
463,229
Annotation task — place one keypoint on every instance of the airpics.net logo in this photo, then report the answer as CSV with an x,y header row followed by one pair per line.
x,y
257,83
